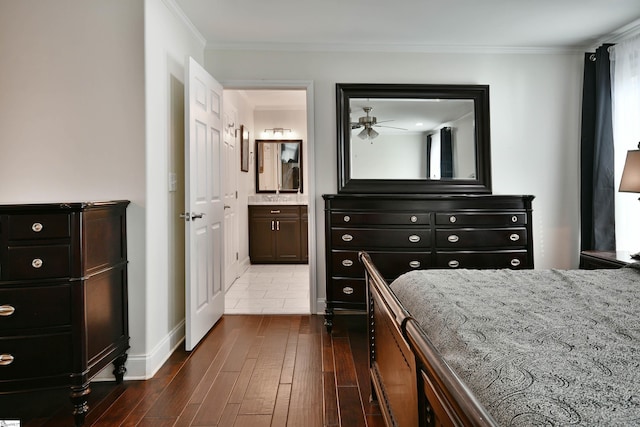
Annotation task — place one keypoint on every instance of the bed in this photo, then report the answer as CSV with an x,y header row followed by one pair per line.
x,y
505,347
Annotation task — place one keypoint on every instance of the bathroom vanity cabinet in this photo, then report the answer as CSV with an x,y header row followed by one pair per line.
x,y
278,234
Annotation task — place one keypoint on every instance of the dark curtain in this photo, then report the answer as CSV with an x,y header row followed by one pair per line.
x,y
446,153
596,155
429,156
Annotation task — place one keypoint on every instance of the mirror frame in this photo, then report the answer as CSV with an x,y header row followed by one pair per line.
x,y
278,141
480,96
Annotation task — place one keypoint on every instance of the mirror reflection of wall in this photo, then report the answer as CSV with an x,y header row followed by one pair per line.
x,y
279,166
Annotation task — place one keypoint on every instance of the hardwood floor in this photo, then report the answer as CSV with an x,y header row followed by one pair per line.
x,y
260,370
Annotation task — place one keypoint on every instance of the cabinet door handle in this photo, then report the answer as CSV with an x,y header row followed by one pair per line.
x,y
7,310
414,238
454,263
347,290
347,237
37,227
36,263
453,238
277,225
414,264
514,237
515,262
6,359
273,225
347,262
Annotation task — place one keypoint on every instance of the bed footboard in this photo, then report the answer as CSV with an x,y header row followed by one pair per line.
x,y
413,384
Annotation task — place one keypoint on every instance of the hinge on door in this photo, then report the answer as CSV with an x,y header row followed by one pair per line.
x,y
236,256
236,194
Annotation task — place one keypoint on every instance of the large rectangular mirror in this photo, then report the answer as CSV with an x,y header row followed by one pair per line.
x,y
398,138
279,166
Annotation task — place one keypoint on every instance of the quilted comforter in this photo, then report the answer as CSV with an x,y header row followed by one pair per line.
x,y
537,347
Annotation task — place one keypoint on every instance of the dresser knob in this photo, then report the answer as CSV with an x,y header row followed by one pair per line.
x,y
514,219
413,218
348,290
347,262
37,227
414,238
514,237
36,263
515,262
453,238
346,218
453,263
414,264
6,310
452,219
6,359
347,237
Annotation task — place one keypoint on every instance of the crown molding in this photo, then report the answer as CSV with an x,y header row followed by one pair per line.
x,y
179,13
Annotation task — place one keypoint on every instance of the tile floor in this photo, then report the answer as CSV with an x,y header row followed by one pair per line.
x,y
270,289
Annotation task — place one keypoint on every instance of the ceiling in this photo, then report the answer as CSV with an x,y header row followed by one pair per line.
x,y
411,25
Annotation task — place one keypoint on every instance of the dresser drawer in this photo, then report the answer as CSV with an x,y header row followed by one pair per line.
x,y
37,262
367,238
489,259
35,307
348,290
390,264
380,218
35,356
482,219
481,238
38,226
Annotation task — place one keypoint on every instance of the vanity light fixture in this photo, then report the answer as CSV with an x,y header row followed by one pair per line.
x,y
278,131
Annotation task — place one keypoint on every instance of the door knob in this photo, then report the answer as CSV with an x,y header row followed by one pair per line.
x,y
195,216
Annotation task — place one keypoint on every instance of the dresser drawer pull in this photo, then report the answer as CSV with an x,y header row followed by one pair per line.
x,y
275,211
414,264
514,237
36,263
414,238
413,218
6,359
452,219
514,219
454,263
453,238
347,237
346,218
347,262
6,310
515,262
348,290
37,227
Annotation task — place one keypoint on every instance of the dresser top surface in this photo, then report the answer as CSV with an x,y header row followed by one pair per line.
x,y
62,206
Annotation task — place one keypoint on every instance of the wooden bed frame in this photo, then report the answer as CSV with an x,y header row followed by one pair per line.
x,y
410,379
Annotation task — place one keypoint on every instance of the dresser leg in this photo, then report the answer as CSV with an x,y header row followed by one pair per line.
x,y
79,397
328,319
119,369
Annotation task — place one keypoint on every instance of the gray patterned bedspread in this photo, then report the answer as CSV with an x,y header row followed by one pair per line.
x,y
537,347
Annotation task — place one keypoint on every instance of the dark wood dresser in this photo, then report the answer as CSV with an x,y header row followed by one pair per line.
x,y
63,296
407,232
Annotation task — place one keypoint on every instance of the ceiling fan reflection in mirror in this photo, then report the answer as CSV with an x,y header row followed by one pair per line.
x,y
367,122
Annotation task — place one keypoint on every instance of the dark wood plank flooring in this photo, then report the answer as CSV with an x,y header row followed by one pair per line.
x,y
249,371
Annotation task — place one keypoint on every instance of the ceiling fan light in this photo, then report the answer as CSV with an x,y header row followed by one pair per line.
x,y
372,133
363,134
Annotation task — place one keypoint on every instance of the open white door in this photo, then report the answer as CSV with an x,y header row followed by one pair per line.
x,y
232,165
204,219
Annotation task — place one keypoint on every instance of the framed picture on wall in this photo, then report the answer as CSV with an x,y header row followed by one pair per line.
x,y
244,149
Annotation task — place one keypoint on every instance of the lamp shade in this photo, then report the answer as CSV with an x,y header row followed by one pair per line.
x,y
630,181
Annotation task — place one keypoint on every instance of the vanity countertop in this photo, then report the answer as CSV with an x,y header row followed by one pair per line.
x,y
279,199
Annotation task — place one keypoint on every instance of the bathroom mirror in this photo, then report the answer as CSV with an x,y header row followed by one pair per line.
x,y
279,166
413,138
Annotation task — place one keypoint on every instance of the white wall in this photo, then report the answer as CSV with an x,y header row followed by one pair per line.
x,y
535,121
168,42
72,115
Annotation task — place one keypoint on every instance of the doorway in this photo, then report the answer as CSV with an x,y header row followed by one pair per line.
x,y
262,109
